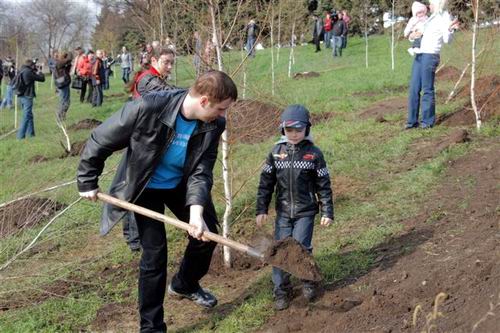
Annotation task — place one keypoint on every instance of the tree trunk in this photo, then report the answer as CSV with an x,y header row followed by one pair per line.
x,y
475,4
272,52
291,51
225,149
392,35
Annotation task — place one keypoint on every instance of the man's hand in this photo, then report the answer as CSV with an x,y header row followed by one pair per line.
x,y
455,24
97,82
326,221
197,222
415,35
90,195
261,219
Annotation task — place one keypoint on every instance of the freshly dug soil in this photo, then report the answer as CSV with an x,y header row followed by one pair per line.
x,y
76,149
386,107
305,75
487,99
26,214
448,73
85,124
291,256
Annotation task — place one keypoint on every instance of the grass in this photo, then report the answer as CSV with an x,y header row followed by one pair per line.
x,y
361,151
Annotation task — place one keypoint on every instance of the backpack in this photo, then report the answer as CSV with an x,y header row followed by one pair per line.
x,y
18,84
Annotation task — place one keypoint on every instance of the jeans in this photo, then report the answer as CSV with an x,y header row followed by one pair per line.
x,y
344,41
422,79
125,74
301,229
337,45
7,101
327,38
64,102
250,46
27,127
105,83
153,263
97,95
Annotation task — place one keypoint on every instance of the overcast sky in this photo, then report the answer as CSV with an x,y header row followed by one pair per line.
x,y
91,5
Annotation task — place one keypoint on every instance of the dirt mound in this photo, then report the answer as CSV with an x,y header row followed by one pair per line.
x,y
291,256
38,159
85,124
317,118
487,100
76,149
239,262
386,107
426,149
111,315
26,214
305,75
450,250
252,121
385,90
448,73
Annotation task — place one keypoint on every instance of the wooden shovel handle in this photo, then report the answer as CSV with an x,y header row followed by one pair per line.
x,y
179,224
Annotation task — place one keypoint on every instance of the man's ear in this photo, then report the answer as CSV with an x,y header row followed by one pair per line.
x,y
204,100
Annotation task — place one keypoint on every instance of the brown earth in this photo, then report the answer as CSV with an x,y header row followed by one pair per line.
x,y
451,247
85,124
428,148
379,110
387,90
76,149
448,73
26,214
487,100
252,121
305,75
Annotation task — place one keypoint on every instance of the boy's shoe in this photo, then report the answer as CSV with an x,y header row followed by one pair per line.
x,y
201,297
309,293
281,302
411,51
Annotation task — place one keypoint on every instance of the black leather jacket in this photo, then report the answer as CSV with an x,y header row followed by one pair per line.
x,y
146,127
301,178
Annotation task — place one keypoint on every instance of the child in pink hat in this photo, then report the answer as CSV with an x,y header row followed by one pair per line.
x,y
416,24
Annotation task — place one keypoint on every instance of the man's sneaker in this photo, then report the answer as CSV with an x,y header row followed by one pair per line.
x,y
281,303
411,51
201,297
309,293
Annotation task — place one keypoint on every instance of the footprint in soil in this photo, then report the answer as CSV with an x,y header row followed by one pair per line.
x,y
344,305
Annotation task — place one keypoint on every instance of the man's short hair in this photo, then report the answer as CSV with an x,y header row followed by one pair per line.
x,y
164,51
217,85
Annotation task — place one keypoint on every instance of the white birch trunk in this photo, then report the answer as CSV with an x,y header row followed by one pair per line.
x,y
366,49
272,52
290,58
392,35
452,93
279,33
225,150
473,68
15,95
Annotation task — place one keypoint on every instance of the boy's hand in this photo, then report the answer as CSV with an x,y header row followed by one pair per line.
x,y
326,221
261,219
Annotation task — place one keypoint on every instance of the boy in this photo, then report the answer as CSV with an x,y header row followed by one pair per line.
x,y
298,170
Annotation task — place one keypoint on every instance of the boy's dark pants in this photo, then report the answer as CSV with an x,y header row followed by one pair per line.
x,y
153,264
301,229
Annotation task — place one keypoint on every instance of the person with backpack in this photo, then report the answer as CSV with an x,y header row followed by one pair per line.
x,y
24,86
62,80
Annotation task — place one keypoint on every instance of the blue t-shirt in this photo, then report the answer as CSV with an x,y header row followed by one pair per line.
x,y
169,172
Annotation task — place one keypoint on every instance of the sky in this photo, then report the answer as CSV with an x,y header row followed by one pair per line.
x,y
91,5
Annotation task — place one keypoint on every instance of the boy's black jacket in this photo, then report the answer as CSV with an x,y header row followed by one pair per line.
x,y
301,178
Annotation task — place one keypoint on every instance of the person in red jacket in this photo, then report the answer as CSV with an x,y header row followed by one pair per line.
x,y
155,78
327,28
85,71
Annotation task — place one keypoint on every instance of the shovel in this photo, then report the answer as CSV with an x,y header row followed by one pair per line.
x,y
286,254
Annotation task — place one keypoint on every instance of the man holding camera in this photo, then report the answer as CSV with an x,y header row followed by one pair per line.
x,y
25,89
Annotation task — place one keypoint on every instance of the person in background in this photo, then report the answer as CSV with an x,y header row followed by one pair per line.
x,y
126,63
338,31
26,93
317,28
97,77
62,80
9,70
327,28
347,19
296,169
252,31
198,50
108,62
438,30
155,78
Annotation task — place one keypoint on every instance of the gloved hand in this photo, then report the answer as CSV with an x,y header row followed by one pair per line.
x,y
90,195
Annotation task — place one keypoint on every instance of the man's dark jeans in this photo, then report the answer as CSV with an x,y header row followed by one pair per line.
x,y
97,95
422,79
153,264
301,229
27,126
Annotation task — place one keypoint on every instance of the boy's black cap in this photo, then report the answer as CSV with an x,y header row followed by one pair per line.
x,y
295,116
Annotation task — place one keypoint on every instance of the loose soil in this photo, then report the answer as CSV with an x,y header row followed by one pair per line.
x,y
450,247
26,214
487,98
384,108
251,121
448,73
428,148
305,75
293,257
387,90
85,124
76,149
